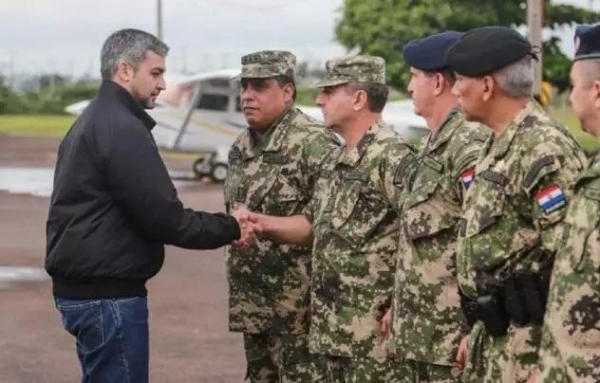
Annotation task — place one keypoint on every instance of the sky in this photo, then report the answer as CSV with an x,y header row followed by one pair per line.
x,y
65,36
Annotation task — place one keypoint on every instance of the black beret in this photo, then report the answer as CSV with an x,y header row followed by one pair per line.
x,y
428,54
484,50
587,42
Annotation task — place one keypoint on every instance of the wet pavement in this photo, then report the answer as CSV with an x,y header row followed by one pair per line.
x,y
37,181
189,337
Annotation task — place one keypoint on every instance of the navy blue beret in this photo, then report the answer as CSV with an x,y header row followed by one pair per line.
x,y
428,54
582,28
484,50
587,42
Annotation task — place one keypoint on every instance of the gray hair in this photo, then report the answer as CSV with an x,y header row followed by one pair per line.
x,y
517,78
130,46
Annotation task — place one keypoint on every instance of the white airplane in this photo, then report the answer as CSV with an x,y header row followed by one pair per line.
x,y
201,114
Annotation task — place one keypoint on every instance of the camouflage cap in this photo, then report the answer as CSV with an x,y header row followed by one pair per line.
x,y
347,69
265,64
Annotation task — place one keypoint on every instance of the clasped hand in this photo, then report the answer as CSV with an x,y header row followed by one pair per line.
x,y
249,227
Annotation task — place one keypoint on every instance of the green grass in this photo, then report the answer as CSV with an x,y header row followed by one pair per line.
x,y
566,116
57,125
44,125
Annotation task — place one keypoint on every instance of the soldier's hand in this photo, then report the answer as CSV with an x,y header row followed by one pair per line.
x,y
248,227
461,355
534,376
386,324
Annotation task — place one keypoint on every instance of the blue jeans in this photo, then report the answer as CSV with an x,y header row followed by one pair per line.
x,y
111,335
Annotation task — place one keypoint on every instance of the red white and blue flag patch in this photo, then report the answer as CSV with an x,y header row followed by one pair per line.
x,y
466,177
551,198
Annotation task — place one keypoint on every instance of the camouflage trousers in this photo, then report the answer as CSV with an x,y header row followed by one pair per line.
x,y
420,372
365,370
507,359
281,358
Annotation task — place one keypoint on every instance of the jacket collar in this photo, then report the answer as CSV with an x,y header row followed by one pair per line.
x,y
113,91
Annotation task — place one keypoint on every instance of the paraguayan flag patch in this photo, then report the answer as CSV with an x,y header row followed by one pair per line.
x,y
550,198
466,177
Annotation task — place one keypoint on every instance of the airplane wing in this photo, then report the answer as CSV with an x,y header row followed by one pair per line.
x,y
397,114
77,108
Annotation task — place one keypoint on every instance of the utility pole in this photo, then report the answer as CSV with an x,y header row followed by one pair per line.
x,y
159,24
535,20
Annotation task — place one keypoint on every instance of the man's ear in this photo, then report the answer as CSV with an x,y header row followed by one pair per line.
x,y
596,93
288,92
124,72
489,86
360,101
440,84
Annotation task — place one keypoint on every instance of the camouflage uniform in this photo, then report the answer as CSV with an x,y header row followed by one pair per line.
x,y
426,311
269,283
511,227
355,243
570,349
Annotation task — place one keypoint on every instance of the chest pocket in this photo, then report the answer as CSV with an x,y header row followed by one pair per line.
x,y
424,214
266,186
486,201
359,209
581,222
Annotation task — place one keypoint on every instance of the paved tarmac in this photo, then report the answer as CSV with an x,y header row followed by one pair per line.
x,y
189,338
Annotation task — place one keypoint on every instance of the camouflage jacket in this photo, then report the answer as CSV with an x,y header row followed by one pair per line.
x,y
513,215
570,349
269,283
426,309
355,244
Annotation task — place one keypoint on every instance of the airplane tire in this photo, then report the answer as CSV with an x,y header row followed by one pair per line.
x,y
199,168
219,172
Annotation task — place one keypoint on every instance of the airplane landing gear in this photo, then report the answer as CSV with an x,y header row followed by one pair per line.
x,y
207,166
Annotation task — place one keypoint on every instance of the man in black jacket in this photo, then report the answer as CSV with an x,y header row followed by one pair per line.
x,y
112,210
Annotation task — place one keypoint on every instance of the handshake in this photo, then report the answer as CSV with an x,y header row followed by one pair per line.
x,y
250,226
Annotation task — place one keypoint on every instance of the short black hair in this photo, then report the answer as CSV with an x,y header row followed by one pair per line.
x,y
447,74
283,80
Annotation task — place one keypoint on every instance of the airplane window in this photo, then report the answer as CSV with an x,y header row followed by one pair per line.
x,y
216,102
238,104
219,82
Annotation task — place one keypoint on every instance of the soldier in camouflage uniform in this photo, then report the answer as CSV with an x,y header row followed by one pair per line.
x,y
354,225
427,320
273,167
514,209
570,349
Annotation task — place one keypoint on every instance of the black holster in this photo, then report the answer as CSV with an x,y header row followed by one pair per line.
x,y
526,295
469,309
492,314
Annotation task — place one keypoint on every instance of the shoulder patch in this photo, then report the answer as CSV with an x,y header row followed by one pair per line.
x,y
538,165
551,198
466,177
404,170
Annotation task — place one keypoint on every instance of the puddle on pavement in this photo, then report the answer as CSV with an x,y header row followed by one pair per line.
x,y
11,275
34,181
38,181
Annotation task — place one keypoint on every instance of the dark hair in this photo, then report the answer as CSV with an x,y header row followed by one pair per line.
x,y
447,74
283,80
377,94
